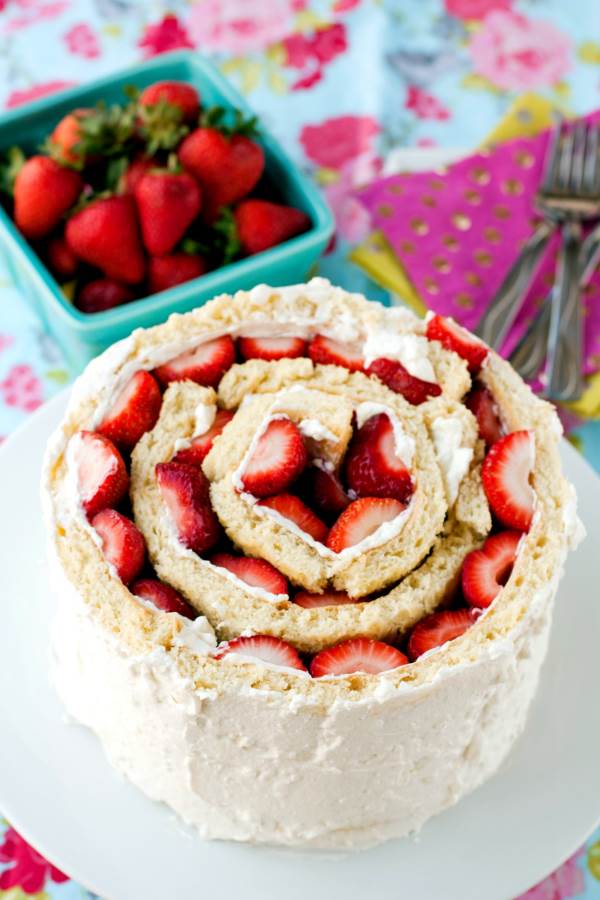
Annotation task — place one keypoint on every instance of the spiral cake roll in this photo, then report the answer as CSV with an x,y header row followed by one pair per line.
x,y
306,550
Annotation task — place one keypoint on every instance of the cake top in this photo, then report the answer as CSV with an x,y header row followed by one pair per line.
x,y
347,499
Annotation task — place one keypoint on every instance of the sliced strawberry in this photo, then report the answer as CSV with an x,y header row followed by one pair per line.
x,y
265,648
162,596
327,352
205,364
278,459
271,348
357,655
505,476
134,412
327,598
486,571
202,445
184,490
323,490
438,628
255,572
398,379
291,507
454,337
123,544
361,519
372,467
101,474
482,405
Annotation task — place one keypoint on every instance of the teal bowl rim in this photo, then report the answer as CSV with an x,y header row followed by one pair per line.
x,y
165,301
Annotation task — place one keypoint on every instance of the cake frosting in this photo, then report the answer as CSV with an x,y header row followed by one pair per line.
x,y
253,750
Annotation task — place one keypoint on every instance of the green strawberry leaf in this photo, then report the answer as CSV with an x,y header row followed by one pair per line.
x,y
161,126
10,166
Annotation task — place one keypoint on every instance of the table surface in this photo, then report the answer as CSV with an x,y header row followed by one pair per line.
x,y
440,72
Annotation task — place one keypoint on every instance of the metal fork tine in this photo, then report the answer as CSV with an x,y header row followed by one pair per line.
x,y
552,157
565,160
591,175
577,164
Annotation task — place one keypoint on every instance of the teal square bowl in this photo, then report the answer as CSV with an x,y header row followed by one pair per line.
x,y
83,335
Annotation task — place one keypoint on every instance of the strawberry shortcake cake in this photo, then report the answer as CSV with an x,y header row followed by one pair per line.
x,y
306,549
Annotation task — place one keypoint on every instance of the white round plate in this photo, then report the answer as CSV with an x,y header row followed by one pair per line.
x,y
57,788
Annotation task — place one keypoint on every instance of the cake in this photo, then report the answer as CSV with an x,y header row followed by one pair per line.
x,y
305,549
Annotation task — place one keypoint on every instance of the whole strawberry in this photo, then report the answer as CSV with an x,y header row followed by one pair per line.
x,y
61,259
102,294
105,234
67,135
227,167
167,203
175,93
43,192
165,272
261,224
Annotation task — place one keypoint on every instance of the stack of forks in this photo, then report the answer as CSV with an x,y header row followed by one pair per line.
x,y
568,196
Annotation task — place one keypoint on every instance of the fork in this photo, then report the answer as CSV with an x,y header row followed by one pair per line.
x,y
504,307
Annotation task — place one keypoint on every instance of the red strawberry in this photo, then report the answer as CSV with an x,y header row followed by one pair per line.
x,y
101,474
439,627
163,597
205,364
226,167
261,224
291,507
67,135
175,93
505,477
482,405
101,294
134,411
357,655
278,459
327,598
398,379
327,352
202,445
184,490
372,467
487,570
454,337
361,519
105,234
265,648
255,572
167,202
123,544
270,348
323,490
44,191
134,173
165,272
61,259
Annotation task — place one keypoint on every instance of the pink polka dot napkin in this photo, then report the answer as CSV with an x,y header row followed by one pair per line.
x,y
457,231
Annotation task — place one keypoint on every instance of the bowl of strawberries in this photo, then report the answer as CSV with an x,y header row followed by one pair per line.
x,y
145,193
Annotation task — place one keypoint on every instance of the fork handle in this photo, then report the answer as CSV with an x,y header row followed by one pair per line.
x,y
565,340
500,315
529,354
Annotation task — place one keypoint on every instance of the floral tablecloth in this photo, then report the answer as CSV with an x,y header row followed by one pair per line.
x,y
432,72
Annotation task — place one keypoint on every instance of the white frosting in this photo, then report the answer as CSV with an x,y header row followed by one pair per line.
x,y
454,459
205,415
312,428
409,349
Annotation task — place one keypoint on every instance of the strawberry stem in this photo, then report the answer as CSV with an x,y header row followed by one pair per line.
x,y
10,166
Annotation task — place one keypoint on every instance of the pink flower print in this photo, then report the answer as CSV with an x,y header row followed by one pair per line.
x,y
345,5
22,389
516,53
298,50
34,12
168,34
241,26
16,98
6,341
313,52
474,10
424,105
308,81
81,41
336,141
29,870
564,883
329,42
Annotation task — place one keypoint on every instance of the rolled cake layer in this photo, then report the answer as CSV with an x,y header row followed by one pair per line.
x,y
246,745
